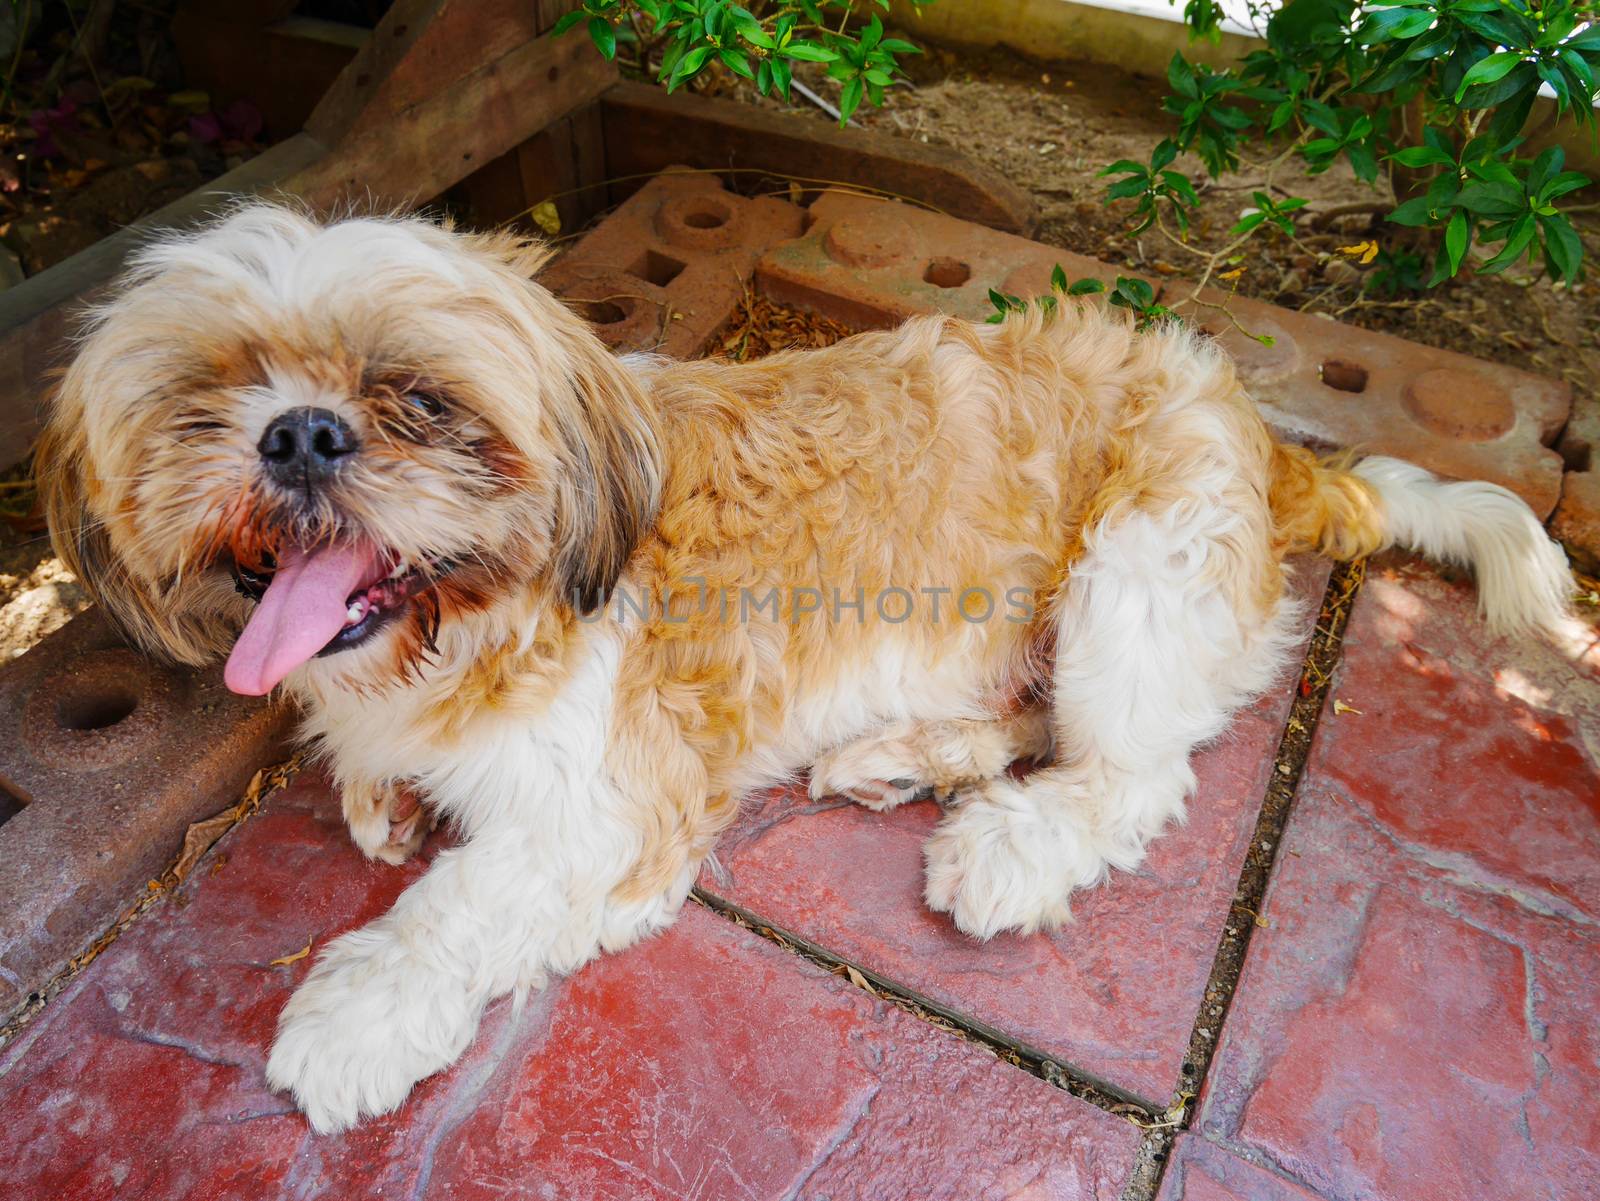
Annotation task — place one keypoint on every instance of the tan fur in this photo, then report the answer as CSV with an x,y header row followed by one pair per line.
x,y
941,454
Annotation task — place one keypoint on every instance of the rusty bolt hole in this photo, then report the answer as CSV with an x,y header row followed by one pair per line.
x,y
98,710
656,268
1343,376
705,219
10,806
599,312
947,273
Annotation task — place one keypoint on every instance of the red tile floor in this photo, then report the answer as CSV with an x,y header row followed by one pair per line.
x,y
1418,1016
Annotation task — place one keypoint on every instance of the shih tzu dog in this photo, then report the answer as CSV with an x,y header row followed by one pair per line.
x,y
582,604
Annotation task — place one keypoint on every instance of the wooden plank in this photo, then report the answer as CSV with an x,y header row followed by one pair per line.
x,y
282,68
418,152
647,130
591,168
36,316
410,158
420,48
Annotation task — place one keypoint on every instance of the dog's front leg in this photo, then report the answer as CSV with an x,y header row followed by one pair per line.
x,y
400,999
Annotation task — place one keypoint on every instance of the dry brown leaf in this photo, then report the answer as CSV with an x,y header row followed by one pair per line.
x,y
1365,252
545,216
857,978
286,960
1340,707
200,838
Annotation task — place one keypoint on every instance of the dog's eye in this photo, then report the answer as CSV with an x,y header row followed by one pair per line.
x,y
425,402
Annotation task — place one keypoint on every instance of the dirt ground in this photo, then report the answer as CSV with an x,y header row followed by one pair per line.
x,y
1049,127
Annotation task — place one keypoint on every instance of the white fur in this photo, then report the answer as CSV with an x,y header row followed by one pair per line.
x,y
1151,658
546,840
1524,582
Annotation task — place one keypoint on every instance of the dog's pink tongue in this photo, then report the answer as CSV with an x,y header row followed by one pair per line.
x,y
303,608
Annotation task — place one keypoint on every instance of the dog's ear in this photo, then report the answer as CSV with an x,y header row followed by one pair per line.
x,y
168,622
609,488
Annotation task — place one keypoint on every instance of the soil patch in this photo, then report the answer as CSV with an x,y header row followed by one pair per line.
x,y
1049,127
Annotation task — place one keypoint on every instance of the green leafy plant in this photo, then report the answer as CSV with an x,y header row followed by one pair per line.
x,y
678,39
1425,99
1128,293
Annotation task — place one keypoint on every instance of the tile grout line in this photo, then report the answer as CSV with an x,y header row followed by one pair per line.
x,y
1244,911
1160,1126
266,782
1052,1071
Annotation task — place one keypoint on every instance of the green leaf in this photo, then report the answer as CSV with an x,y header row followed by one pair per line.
x,y
850,99
809,52
604,35
1422,156
1517,241
691,63
1086,287
1362,161
1563,246
1457,236
737,63
1179,184
1123,165
1587,39
1126,189
1166,150
1181,76
567,22
1567,181
1545,168
1488,70
1493,199
1247,224
1416,211
1058,278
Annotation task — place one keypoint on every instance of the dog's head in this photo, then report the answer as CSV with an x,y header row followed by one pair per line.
x,y
337,436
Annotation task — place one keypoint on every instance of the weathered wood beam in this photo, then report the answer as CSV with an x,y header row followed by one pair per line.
x,y
449,87
646,130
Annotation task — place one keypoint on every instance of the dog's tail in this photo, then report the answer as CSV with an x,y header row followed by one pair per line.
x,y
1524,582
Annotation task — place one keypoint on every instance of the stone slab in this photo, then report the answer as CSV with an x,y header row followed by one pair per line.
x,y
1114,995
1198,1170
706,1062
667,270
112,756
875,263
1422,1017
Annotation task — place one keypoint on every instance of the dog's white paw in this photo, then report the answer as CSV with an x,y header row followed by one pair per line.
x,y
879,774
367,1024
1006,860
388,823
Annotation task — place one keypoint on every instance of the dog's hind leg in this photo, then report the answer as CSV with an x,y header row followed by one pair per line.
x,y
910,759
1169,621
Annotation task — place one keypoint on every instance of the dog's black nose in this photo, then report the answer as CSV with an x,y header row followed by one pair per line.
x,y
305,446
